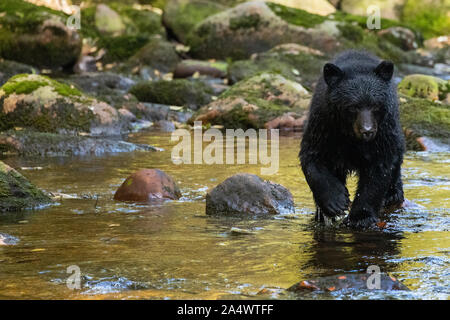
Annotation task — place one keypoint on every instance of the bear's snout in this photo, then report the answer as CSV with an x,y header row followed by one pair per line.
x,y
365,126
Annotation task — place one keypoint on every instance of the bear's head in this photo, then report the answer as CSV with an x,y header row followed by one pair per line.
x,y
360,97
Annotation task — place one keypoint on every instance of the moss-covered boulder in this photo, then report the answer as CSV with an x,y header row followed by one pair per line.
x,y
421,117
10,68
253,27
108,21
121,39
252,102
46,105
17,193
181,16
179,92
291,60
156,57
37,35
424,86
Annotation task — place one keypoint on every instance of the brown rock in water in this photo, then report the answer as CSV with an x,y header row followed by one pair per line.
x,y
248,194
147,184
346,282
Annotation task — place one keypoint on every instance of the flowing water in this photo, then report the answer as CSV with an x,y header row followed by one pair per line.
x,y
172,250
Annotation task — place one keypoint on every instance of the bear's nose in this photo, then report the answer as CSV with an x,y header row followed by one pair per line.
x,y
367,133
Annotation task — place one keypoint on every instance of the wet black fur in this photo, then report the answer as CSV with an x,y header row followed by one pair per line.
x,y
330,150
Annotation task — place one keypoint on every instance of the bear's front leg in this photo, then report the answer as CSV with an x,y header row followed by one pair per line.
x,y
394,196
372,186
329,191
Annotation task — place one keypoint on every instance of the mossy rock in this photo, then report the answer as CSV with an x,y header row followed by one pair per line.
x,y
424,86
425,118
10,68
181,16
292,61
37,35
41,103
253,27
135,29
158,54
17,193
178,92
252,102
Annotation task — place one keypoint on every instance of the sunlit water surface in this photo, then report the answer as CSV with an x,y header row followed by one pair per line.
x,y
172,250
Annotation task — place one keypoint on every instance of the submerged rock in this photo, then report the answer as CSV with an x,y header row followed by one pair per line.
x,y
17,193
248,194
31,143
46,105
37,35
146,185
179,92
355,282
253,102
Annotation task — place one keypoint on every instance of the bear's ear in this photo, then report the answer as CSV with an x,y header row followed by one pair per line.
x,y
332,74
385,70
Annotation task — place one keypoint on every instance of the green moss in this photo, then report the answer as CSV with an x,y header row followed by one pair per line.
x,y
19,85
351,32
22,87
140,25
121,47
245,22
179,92
184,16
19,40
296,16
17,193
431,19
424,117
24,17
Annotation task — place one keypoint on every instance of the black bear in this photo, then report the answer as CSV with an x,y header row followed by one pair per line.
x,y
353,127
